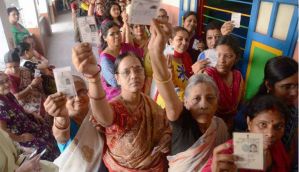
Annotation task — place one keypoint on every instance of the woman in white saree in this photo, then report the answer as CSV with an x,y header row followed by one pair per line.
x,y
195,129
80,143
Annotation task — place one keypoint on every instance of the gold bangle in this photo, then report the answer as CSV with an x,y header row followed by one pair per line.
x,y
97,98
59,125
162,82
93,80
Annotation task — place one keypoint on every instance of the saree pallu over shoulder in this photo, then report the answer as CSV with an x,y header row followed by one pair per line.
x,y
230,96
194,158
85,151
137,141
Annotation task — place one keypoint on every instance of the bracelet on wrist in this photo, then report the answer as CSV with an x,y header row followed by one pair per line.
x,y
58,125
97,98
158,81
94,75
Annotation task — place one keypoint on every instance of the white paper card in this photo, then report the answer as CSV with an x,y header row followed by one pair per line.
x,y
88,30
248,147
169,50
236,19
211,55
64,81
195,44
143,11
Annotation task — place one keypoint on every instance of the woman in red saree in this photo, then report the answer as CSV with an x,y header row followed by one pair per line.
x,y
229,80
28,90
136,130
267,115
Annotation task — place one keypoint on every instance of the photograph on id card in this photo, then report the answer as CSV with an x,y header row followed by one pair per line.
x,y
143,11
88,30
64,81
248,148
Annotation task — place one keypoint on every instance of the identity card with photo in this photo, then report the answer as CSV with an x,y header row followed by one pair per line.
x,y
64,81
248,148
143,11
236,19
88,30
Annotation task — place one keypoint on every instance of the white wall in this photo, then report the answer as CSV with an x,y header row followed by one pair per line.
x,y
175,3
5,34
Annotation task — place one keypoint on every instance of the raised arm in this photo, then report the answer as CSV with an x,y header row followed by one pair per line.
x,y
161,74
85,62
91,8
55,106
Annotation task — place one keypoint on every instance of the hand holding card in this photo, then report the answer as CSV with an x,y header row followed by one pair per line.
x,y
64,81
88,30
236,19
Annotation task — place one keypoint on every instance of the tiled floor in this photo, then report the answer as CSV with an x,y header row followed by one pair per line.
x,y
61,41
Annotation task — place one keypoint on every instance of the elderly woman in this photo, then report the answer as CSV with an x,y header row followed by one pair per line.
x,y
27,90
18,31
266,115
136,130
22,127
281,80
196,131
70,126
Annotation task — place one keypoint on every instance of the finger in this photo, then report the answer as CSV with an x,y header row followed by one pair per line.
x,y
228,158
220,148
222,166
204,62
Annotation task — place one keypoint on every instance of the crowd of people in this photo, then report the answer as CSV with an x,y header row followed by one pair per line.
x,y
155,98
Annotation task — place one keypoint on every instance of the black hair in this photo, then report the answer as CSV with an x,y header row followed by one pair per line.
x,y
105,26
177,29
27,37
189,13
212,26
107,8
277,69
22,48
122,56
11,9
262,103
12,56
232,42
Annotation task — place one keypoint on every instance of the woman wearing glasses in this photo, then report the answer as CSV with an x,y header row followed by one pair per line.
x,y
136,130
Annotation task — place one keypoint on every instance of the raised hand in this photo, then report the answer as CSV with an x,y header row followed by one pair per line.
x,y
159,35
55,105
84,60
200,65
221,161
227,28
36,81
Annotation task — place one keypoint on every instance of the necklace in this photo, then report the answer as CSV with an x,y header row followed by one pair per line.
x,y
131,108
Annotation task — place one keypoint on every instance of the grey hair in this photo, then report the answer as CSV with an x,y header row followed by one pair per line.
x,y
78,78
198,79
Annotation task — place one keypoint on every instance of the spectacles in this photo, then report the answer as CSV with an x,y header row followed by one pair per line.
x,y
127,72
